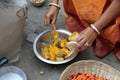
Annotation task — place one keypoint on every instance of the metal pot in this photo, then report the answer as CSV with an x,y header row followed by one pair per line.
x,y
12,20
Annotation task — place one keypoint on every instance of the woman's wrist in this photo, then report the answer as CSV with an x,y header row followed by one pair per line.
x,y
91,30
99,25
95,28
55,5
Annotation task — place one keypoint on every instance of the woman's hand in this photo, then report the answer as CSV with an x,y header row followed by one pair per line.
x,y
51,16
86,38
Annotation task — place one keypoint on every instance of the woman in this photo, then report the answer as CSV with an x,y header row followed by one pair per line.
x,y
97,21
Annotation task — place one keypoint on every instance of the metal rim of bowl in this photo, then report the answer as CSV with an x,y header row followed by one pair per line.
x,y
38,2
45,60
9,69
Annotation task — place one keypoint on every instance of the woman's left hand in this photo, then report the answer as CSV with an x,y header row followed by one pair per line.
x,y
86,38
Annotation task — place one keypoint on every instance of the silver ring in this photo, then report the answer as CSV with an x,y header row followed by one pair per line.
x,y
87,44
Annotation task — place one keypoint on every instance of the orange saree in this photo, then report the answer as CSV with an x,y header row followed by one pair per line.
x,y
82,13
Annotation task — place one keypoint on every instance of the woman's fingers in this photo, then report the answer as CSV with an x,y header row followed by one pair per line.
x,y
54,19
86,38
48,20
80,44
86,45
45,20
83,44
51,16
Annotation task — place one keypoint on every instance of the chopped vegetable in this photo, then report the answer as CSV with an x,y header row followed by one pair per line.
x,y
57,50
84,76
73,36
37,1
42,72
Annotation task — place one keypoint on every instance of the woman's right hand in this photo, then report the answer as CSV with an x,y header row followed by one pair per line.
x,y
51,16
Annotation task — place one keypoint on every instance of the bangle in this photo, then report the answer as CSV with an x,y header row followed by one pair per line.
x,y
95,29
54,4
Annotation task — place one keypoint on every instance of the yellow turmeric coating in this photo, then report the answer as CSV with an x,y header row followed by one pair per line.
x,y
36,1
73,36
63,43
55,33
57,50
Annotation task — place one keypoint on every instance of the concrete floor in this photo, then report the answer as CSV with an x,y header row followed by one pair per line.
x,y
32,66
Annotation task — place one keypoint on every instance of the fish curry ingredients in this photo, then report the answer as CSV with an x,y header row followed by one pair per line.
x,y
57,50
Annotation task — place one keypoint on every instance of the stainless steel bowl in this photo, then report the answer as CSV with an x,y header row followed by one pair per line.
x,y
12,72
37,4
46,37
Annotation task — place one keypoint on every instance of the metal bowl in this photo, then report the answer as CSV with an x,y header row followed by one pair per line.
x,y
37,4
46,37
8,71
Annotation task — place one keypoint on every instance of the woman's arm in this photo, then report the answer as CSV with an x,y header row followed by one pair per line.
x,y
51,14
88,35
110,14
